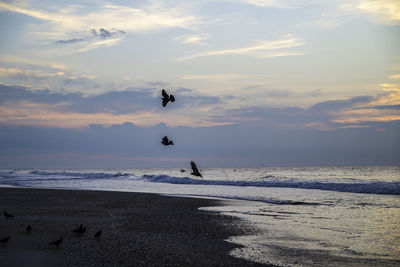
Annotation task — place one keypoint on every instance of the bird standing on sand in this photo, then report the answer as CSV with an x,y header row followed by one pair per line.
x,y
166,98
29,228
166,142
195,170
7,215
5,239
98,234
80,229
57,242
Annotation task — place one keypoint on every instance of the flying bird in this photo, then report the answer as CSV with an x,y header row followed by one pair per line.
x,y
7,215
166,142
28,228
57,242
80,229
166,98
5,239
98,234
195,170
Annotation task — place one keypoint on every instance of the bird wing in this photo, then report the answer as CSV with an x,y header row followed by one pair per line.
x,y
171,98
165,139
165,101
164,94
171,143
194,167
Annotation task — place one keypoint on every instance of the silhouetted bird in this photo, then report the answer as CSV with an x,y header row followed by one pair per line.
x,y
195,170
80,229
29,228
98,234
182,170
57,242
7,215
166,98
166,142
5,239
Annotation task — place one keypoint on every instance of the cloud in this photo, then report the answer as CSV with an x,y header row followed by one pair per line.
x,y
264,49
56,81
286,4
143,19
271,3
382,11
71,41
396,76
24,106
100,34
27,73
60,23
394,107
327,115
37,62
218,77
13,94
192,39
100,43
264,91
334,105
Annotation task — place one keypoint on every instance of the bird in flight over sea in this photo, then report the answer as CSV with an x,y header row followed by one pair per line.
x,y
195,170
80,229
57,242
7,215
166,98
5,239
98,234
166,142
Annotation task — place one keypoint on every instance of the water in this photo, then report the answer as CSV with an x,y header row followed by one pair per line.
x,y
314,216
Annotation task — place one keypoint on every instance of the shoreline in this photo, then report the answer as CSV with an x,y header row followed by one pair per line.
x,y
139,229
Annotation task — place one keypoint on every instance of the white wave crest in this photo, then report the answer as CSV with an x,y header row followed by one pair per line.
x,y
375,187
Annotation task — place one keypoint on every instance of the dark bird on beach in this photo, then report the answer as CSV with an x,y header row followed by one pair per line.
x,y
195,170
166,142
80,229
57,242
28,228
182,170
166,98
7,215
5,239
98,234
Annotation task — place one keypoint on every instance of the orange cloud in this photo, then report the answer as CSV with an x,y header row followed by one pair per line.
x,y
44,115
367,114
375,110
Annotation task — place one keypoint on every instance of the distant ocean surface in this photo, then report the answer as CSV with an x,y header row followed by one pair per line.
x,y
306,216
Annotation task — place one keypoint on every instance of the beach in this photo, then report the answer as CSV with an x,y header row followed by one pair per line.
x,y
138,229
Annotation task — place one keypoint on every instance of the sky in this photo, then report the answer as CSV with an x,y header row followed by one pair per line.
x,y
256,82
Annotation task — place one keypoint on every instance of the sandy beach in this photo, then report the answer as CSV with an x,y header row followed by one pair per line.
x,y
137,230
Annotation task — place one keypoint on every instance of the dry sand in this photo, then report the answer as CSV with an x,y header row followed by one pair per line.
x,y
137,230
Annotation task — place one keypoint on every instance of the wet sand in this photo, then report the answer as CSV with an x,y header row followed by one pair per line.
x,y
137,230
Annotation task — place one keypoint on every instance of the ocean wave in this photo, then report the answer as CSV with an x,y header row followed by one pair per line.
x,y
373,187
366,187
83,175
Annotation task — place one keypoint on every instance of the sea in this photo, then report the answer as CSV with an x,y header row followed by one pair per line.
x,y
299,216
